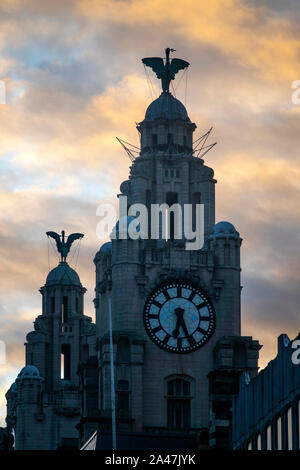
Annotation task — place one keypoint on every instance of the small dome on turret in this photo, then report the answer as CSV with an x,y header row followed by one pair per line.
x,y
166,107
106,248
122,226
224,229
63,275
29,372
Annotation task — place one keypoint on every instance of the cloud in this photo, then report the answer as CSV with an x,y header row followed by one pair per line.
x,y
250,33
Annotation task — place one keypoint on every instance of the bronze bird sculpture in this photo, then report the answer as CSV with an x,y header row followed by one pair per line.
x,y
167,70
63,247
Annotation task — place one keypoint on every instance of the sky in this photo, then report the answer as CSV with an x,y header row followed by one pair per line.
x,y
74,81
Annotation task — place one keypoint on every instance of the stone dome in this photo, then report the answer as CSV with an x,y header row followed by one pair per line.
x,y
225,229
29,372
63,275
166,107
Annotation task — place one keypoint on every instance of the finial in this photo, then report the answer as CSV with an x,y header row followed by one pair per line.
x,y
165,71
64,247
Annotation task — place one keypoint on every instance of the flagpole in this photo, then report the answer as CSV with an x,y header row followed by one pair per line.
x,y
112,376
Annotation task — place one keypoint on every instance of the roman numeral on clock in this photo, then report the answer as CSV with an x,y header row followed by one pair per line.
x,y
158,328
192,295
166,294
202,331
191,340
166,339
201,305
204,318
152,316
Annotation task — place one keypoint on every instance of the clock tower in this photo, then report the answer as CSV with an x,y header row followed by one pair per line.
x,y
176,313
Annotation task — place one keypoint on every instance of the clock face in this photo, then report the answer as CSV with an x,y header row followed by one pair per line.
x,y
179,317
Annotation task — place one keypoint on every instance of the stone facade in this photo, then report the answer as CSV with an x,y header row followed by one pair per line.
x,y
127,271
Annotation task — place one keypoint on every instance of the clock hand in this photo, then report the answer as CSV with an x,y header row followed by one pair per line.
x,y
176,332
179,313
183,326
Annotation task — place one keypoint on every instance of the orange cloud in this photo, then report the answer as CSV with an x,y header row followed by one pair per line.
x,y
251,34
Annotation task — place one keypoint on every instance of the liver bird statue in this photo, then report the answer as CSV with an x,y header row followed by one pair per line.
x,y
167,70
63,247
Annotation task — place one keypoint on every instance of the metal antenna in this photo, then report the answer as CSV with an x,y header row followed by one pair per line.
x,y
131,150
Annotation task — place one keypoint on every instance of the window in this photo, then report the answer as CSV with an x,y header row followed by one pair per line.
x,y
289,429
123,351
85,352
77,304
269,438
65,361
258,442
178,404
279,434
52,306
154,140
65,309
123,395
177,174
249,446
170,138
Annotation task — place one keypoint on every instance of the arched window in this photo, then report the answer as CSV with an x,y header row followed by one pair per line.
x,y
258,442
65,371
269,437
279,434
123,351
178,403
289,429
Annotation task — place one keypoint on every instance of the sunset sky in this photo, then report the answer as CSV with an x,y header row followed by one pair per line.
x,y
74,80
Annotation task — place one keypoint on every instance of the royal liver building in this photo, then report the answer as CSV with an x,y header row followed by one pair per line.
x,y
176,315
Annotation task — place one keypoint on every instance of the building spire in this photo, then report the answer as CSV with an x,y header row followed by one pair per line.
x,y
167,70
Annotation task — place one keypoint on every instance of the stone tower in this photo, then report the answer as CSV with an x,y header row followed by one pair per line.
x,y
44,403
176,313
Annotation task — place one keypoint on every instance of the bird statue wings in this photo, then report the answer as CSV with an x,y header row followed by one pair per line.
x,y
63,247
167,70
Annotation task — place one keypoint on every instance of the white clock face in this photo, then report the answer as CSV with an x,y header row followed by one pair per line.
x,y
179,317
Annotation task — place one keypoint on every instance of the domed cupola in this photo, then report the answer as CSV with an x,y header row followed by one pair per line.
x,y
166,127
63,275
166,107
224,230
29,372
